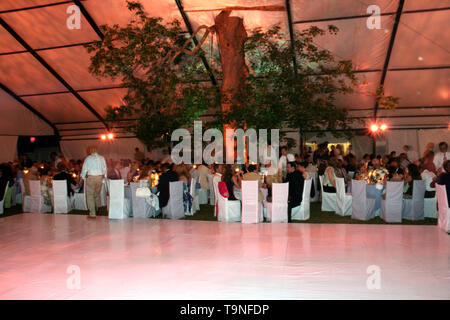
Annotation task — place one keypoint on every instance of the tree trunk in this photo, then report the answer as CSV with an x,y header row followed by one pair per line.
x,y
231,36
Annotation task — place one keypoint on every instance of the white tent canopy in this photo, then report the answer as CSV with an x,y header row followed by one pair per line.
x,y
45,86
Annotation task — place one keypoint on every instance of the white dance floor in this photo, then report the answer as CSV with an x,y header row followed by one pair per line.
x,y
163,259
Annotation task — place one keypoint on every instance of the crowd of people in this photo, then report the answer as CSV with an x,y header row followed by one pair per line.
x,y
330,162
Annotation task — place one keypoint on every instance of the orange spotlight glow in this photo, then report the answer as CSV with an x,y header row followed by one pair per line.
x,y
103,137
374,128
383,127
110,136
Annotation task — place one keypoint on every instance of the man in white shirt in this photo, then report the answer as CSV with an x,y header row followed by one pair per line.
x,y
441,156
284,159
93,173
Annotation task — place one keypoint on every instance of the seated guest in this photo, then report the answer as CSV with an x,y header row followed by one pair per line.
x,y
444,179
62,174
329,177
6,176
166,177
183,175
412,173
429,176
46,185
296,181
114,171
398,175
228,179
203,172
252,175
144,174
32,174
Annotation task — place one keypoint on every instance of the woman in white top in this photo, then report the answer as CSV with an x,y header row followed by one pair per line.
x,y
329,177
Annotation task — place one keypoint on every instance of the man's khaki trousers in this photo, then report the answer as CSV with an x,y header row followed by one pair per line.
x,y
93,193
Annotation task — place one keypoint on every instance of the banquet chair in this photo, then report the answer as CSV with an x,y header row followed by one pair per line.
x,y
302,212
212,199
328,199
79,201
25,198
19,194
62,203
139,207
251,208
119,207
363,208
429,207
104,194
195,198
392,202
229,210
277,210
174,208
315,184
444,210
36,199
13,194
413,209
203,196
2,203
343,199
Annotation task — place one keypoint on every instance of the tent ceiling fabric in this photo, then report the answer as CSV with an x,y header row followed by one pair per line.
x,y
421,43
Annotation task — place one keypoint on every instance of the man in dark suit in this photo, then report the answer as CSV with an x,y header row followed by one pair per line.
x,y
296,181
63,175
166,177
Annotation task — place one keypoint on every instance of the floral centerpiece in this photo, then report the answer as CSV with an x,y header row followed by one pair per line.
x,y
375,175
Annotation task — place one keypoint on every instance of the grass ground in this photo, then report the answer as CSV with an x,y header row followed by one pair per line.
x,y
206,213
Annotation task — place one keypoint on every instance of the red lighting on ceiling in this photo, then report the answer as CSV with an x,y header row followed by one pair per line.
x,y
32,139
103,137
383,127
110,136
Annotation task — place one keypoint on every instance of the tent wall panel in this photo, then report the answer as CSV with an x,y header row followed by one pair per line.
x,y
8,148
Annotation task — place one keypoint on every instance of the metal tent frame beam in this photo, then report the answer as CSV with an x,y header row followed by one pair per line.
x,y
30,108
51,70
194,39
389,51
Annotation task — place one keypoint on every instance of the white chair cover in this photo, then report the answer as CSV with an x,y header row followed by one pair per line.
x,y
25,198
62,203
302,212
203,195
119,207
104,194
80,202
413,209
124,173
391,206
212,198
229,210
194,194
174,208
140,207
36,200
2,203
343,200
328,199
315,179
444,210
363,208
430,208
251,209
277,210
